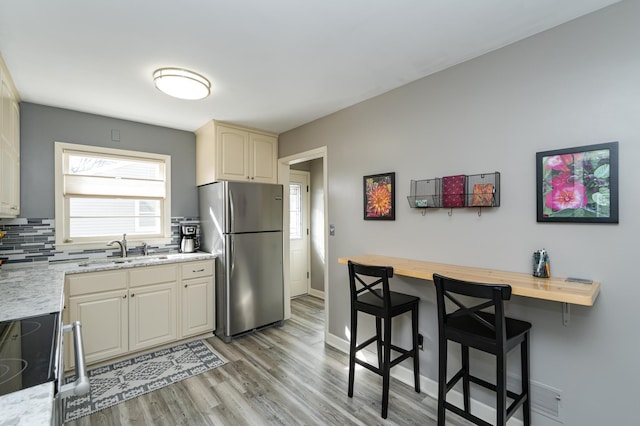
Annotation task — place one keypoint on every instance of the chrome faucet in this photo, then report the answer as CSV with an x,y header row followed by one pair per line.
x,y
122,243
145,249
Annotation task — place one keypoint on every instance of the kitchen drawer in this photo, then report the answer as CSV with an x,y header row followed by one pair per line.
x,y
197,269
152,275
96,282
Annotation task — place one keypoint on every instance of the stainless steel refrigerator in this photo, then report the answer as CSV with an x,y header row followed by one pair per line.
x,y
241,223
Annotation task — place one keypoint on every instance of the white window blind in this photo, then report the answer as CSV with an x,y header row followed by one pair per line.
x,y
89,174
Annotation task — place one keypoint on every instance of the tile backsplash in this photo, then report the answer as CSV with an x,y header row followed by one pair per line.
x,y
33,240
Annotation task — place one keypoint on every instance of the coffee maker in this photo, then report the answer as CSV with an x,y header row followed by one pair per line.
x,y
188,242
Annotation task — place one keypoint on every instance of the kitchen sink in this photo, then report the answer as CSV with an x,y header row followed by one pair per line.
x,y
140,259
125,260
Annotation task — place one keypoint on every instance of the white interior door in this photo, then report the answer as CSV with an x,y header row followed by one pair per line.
x,y
299,250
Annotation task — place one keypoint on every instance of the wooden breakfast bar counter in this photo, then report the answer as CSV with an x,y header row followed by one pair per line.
x,y
554,289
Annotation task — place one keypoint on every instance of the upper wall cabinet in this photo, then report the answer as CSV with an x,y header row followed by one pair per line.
x,y
229,152
9,146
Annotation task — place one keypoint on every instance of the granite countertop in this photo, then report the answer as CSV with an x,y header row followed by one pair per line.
x,y
36,289
29,407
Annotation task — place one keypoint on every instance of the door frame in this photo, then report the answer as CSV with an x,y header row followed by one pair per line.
x,y
306,205
283,178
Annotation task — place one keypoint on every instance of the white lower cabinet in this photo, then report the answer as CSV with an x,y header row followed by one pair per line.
x,y
197,298
99,300
129,310
152,306
104,324
152,315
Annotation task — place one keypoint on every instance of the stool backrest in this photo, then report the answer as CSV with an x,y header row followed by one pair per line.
x,y
371,279
490,295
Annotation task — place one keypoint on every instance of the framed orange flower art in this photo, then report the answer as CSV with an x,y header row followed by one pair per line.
x,y
578,184
379,197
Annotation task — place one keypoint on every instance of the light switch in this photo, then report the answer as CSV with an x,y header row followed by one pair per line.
x,y
332,230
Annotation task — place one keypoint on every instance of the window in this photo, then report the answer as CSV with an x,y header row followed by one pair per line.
x,y
295,211
102,193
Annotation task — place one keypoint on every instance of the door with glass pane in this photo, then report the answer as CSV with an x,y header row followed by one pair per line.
x,y
300,269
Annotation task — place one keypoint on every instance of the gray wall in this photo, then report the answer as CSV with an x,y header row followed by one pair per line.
x,y
577,84
41,126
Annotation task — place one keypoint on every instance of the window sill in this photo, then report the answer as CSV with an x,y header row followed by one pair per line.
x,y
131,244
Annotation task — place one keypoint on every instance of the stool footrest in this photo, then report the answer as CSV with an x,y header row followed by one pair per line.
x,y
405,354
491,386
459,411
518,398
451,383
369,367
517,402
366,343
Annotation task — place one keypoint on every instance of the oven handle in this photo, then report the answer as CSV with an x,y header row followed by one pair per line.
x,y
81,386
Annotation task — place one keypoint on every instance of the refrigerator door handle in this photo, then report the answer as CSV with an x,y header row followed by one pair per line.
x,y
229,269
231,264
231,209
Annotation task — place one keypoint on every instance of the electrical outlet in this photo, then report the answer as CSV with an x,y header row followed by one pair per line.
x,y
421,342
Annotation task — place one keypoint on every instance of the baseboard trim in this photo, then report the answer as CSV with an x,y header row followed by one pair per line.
x,y
316,293
427,385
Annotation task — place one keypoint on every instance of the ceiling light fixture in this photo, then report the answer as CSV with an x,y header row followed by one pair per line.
x,y
181,83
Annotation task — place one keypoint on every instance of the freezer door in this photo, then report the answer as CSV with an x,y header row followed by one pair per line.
x,y
253,207
211,205
254,283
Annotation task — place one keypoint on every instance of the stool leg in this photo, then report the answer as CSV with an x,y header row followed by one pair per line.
x,y
379,340
416,358
352,350
526,386
501,389
386,366
465,378
442,379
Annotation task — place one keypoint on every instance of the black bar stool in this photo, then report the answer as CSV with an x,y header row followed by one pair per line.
x,y
489,332
384,305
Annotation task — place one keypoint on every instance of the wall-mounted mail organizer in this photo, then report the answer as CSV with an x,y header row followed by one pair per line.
x,y
481,190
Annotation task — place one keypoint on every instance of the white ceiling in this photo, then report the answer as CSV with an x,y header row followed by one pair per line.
x,y
274,64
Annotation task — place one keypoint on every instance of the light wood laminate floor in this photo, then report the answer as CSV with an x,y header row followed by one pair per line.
x,y
278,376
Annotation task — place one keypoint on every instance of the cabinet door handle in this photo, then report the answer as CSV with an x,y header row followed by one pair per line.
x,y
133,294
124,297
185,286
198,270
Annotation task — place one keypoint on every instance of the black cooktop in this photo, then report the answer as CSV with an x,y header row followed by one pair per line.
x,y
27,352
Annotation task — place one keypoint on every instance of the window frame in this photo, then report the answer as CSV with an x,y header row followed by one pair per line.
x,y
299,225
62,240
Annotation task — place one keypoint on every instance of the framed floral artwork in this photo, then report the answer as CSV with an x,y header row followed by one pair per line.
x,y
578,184
379,197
